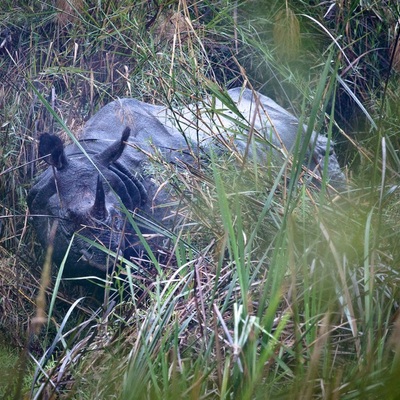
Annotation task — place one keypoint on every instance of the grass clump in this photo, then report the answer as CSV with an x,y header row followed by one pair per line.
x,y
9,371
270,289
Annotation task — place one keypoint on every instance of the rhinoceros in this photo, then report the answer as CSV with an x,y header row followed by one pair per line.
x,y
89,186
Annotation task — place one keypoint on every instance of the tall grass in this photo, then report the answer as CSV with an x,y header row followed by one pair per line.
x,y
272,289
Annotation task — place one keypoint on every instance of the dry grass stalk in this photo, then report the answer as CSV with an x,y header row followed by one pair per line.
x,y
68,11
287,34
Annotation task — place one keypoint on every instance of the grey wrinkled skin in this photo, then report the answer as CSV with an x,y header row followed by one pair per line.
x,y
85,198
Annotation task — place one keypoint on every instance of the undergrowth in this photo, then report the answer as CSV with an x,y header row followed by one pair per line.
x,y
274,288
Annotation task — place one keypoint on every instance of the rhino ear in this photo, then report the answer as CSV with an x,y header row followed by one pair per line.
x,y
52,147
114,151
99,210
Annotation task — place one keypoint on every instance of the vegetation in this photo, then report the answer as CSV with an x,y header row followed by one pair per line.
x,y
273,290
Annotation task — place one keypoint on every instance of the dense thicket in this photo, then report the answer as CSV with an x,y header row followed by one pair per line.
x,y
275,290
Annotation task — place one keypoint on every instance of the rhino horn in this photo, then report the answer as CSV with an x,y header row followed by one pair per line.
x,y
114,151
51,147
99,210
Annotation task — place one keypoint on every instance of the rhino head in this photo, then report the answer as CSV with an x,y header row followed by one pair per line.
x,y
88,197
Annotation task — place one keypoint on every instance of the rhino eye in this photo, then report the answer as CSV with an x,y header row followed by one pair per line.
x,y
72,214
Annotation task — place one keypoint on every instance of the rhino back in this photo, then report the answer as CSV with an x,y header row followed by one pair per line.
x,y
268,117
147,131
254,111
